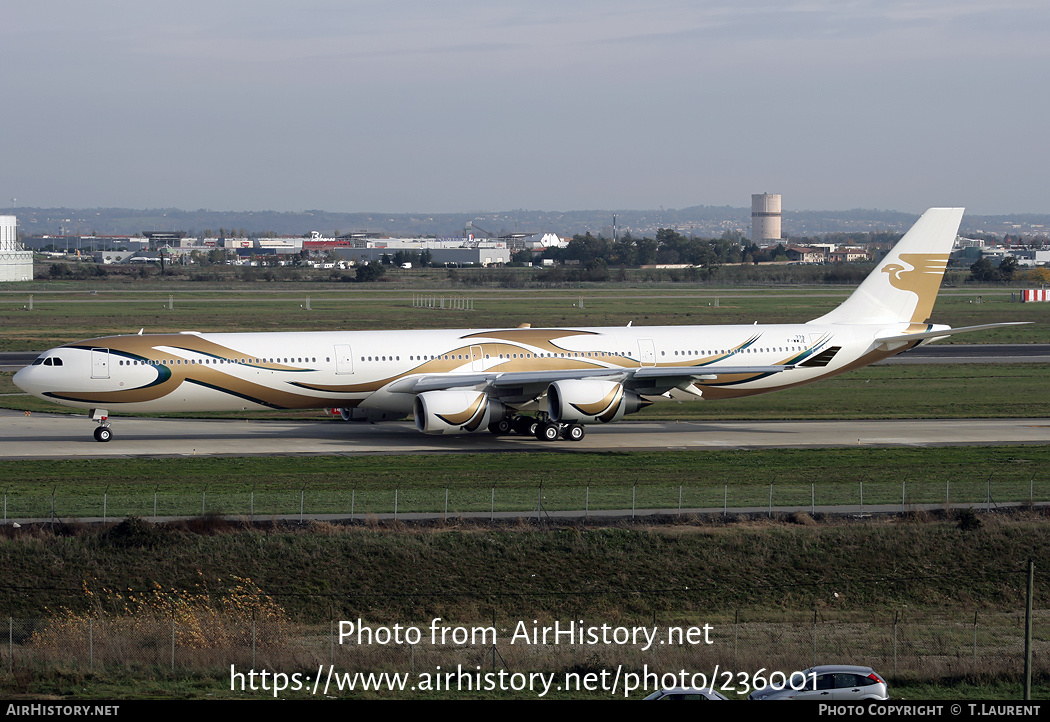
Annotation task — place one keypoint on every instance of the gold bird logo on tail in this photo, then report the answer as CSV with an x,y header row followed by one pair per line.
x,y
921,276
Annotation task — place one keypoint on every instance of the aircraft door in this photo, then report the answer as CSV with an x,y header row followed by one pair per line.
x,y
100,363
646,352
344,359
476,358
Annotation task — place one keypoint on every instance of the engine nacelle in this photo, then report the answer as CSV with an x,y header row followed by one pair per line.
x,y
590,401
455,411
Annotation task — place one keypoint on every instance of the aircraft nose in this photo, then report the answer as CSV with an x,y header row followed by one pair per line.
x,y
23,379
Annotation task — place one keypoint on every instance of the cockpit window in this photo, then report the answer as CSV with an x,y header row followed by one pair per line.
x,y
49,361
38,361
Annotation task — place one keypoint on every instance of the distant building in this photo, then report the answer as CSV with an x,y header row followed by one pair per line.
x,y
765,217
461,256
1031,257
79,244
849,254
16,264
805,254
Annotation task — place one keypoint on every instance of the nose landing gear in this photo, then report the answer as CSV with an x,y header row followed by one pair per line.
x,y
102,431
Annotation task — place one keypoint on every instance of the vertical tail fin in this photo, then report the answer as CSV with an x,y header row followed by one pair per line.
x,y
903,287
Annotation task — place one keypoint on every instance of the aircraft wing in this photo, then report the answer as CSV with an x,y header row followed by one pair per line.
x,y
534,382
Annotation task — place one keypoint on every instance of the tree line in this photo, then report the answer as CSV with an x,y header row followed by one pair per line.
x,y
670,247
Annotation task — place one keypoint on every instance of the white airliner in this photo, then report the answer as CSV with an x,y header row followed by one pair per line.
x,y
543,381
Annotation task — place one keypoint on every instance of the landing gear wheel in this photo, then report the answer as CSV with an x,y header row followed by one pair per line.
x,y
525,425
103,433
573,432
548,432
501,427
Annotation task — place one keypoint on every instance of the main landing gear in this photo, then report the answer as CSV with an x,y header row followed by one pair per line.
x,y
550,431
102,431
543,428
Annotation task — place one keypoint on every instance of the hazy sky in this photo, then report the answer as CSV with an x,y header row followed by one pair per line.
x,y
462,105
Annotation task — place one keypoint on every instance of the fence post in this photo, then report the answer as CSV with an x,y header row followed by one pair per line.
x,y
736,636
814,637
975,636
1028,630
895,613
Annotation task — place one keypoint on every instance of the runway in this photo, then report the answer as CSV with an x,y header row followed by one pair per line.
x,y
47,436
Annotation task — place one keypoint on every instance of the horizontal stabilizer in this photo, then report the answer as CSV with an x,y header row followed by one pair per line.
x,y
905,337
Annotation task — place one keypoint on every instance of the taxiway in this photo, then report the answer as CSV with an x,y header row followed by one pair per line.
x,y
47,436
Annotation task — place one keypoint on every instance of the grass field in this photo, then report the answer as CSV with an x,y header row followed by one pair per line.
x,y
885,593
362,485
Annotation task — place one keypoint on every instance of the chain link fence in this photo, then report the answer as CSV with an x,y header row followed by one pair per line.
x,y
361,502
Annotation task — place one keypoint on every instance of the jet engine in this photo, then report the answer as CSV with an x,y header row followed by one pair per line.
x,y
590,401
455,411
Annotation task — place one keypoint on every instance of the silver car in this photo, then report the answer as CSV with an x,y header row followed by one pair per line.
x,y
830,682
686,693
